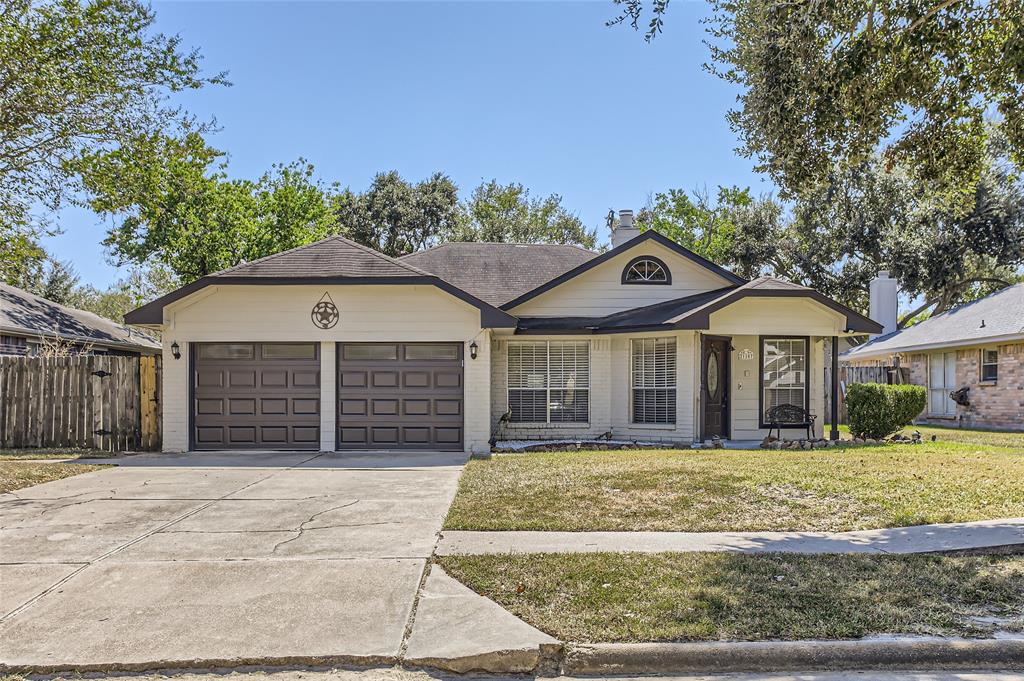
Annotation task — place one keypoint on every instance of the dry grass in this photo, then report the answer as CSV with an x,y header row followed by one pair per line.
x,y
618,597
49,454
18,474
741,490
977,437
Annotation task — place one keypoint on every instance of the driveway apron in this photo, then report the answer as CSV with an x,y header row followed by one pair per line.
x,y
221,558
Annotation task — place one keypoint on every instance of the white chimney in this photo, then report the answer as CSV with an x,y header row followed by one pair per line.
x,y
882,306
625,229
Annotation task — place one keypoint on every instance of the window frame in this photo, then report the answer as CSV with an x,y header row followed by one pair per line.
x,y
657,261
547,383
761,340
982,364
633,388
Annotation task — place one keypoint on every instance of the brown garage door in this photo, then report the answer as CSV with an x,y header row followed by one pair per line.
x,y
256,396
400,396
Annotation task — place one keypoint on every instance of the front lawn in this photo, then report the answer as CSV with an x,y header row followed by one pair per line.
x,y
18,474
708,490
619,597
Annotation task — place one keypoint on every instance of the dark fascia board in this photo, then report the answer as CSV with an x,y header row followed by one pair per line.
x,y
608,255
490,316
700,319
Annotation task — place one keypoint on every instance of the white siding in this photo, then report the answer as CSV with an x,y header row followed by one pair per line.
x,y
784,316
600,291
282,313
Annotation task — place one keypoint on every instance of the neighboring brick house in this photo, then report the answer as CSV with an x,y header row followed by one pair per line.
x,y
978,346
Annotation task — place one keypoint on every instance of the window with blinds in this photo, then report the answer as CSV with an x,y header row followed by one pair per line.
x,y
654,380
549,382
784,373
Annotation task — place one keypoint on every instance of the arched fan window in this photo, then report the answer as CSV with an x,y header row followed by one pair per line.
x,y
646,269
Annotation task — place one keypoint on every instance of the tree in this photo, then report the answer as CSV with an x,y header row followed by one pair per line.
x,y
507,213
44,276
175,206
397,217
142,285
736,230
839,81
76,77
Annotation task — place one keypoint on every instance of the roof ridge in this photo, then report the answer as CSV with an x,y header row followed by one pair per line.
x,y
271,256
382,256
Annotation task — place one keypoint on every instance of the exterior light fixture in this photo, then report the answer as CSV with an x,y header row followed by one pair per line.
x,y
472,350
176,350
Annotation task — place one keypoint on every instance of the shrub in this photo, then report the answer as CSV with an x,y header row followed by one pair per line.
x,y
877,411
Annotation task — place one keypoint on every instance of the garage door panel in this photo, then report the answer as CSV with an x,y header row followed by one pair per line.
x,y
400,396
247,396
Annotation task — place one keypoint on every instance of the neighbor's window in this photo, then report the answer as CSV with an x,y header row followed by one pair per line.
x,y
549,382
646,270
654,380
990,365
784,373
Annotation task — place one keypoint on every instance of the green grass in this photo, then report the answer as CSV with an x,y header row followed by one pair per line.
x,y
619,597
977,437
741,490
52,453
18,474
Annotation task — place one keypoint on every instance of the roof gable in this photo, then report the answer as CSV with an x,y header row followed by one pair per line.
x,y
725,276
332,260
498,272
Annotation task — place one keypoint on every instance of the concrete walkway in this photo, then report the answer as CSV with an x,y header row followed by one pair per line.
x,y
916,539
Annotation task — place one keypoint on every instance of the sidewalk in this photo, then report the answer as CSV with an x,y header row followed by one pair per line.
x,y
916,539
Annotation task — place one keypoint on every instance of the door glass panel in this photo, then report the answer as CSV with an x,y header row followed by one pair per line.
x,y
370,352
431,352
289,351
227,351
712,377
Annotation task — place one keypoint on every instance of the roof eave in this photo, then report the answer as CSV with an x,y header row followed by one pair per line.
x,y
873,353
152,313
649,235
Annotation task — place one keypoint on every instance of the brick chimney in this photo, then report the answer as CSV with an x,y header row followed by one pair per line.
x,y
882,306
624,229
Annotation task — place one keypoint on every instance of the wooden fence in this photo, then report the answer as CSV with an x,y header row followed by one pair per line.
x,y
851,375
100,402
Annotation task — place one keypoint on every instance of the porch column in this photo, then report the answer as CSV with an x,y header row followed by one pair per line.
x,y
834,432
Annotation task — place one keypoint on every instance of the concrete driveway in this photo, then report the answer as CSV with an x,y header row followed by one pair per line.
x,y
220,558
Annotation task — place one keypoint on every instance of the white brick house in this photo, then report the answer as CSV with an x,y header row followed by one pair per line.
x,y
335,346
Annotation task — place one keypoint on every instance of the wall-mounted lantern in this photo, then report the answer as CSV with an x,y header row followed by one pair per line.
x,y
472,350
176,350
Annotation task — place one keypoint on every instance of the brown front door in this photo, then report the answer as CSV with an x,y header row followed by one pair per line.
x,y
400,396
715,386
256,396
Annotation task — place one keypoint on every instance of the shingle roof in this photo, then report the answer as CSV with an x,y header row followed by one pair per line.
x,y
996,316
27,314
498,272
332,257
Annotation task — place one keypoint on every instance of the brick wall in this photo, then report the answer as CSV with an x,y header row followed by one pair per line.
x,y
997,404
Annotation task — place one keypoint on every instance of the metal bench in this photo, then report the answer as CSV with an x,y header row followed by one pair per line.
x,y
790,416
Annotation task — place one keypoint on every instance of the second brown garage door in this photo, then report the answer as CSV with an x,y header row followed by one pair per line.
x,y
400,396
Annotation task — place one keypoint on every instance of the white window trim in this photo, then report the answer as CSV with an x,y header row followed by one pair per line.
x,y
946,389
804,387
982,364
660,425
547,422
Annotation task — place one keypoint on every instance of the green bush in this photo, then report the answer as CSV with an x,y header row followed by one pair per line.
x,y
877,411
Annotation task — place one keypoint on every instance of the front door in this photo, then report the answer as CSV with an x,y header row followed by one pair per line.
x,y
715,386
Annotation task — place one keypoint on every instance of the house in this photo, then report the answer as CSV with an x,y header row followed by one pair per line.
x,y
336,346
977,348
29,322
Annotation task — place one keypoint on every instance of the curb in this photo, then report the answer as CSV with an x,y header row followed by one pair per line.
x,y
234,664
784,656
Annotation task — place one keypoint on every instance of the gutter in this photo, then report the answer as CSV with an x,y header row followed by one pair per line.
x,y
874,353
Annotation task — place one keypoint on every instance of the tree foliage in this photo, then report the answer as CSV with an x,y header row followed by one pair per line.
x,y
76,77
141,285
397,217
508,214
175,205
838,81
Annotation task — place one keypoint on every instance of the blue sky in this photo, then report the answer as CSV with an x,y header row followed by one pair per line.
x,y
540,93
